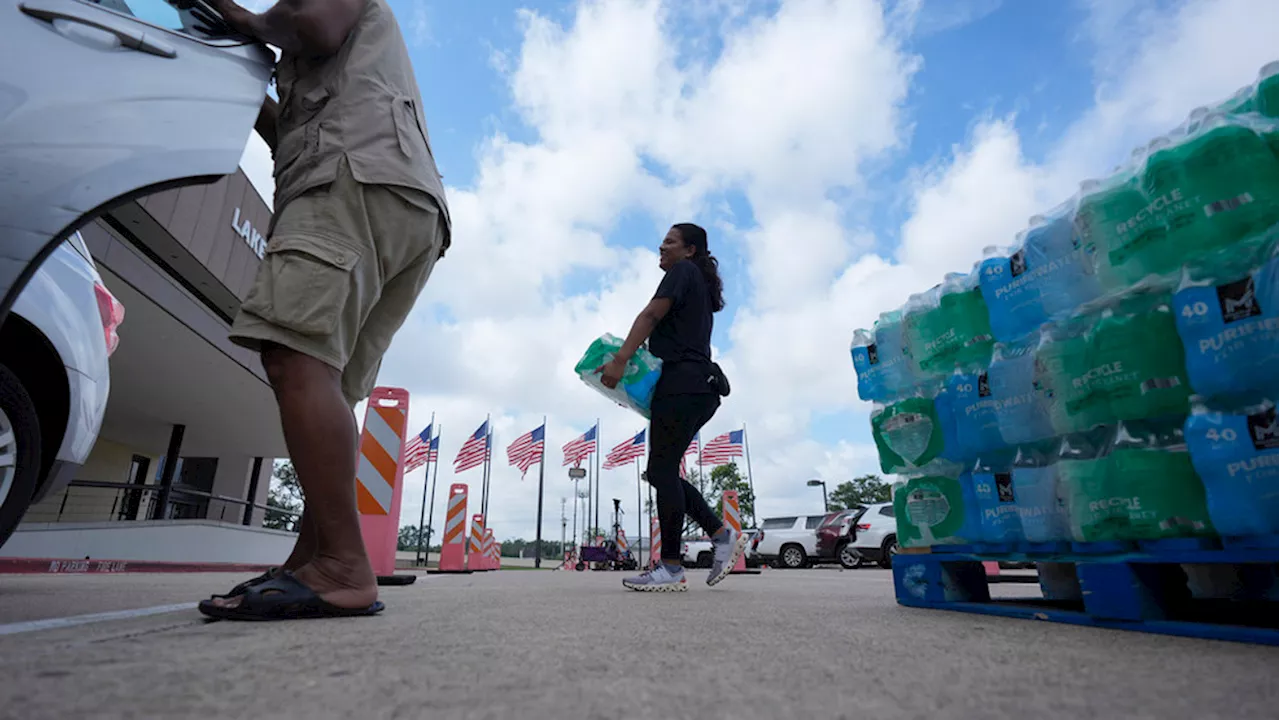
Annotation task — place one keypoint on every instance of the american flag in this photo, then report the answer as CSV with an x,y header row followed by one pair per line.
x,y
435,450
626,452
577,450
723,448
474,451
692,449
527,449
417,450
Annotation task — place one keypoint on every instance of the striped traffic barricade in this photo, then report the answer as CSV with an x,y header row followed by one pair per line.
x,y
475,551
453,548
733,518
655,542
380,475
493,550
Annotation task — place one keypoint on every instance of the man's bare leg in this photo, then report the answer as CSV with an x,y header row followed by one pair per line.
x,y
304,548
320,433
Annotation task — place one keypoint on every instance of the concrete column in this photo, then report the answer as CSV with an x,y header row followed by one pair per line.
x,y
231,480
174,453
260,497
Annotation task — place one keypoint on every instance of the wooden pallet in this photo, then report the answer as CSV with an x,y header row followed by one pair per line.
x,y
1123,586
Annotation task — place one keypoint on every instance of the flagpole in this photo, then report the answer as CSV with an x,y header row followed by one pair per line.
x,y
746,449
639,512
576,502
651,521
542,465
426,476
484,478
435,481
596,496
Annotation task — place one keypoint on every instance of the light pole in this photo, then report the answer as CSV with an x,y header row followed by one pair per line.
x,y
826,507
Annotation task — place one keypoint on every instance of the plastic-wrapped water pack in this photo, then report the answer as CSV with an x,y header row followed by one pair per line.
x,y
1235,455
1226,314
635,390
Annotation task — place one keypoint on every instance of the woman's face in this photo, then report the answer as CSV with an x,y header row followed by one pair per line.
x,y
673,249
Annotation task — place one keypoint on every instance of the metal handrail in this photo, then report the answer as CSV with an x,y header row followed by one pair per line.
x,y
181,489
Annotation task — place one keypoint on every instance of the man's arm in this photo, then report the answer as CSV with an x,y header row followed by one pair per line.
x,y
307,27
266,124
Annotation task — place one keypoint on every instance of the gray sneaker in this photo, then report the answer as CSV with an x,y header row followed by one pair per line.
x,y
727,551
659,579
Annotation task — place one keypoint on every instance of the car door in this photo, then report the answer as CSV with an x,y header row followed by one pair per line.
x,y
102,101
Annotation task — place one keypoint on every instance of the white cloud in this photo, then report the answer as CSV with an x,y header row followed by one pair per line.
x,y
793,112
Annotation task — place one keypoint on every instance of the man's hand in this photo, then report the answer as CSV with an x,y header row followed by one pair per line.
x,y
316,28
611,373
236,16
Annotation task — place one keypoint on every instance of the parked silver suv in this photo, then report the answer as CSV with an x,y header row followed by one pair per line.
x,y
101,101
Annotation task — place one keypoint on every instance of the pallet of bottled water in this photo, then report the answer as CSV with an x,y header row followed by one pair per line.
x,y
1099,396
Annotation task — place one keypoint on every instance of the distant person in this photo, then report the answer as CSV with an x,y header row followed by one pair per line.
x,y
677,323
360,221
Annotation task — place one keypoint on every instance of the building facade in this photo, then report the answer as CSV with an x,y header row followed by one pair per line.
x,y
180,262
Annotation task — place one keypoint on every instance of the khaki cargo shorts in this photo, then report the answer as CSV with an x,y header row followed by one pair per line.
x,y
344,265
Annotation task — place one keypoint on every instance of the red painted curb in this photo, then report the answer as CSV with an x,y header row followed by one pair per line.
x,y
52,566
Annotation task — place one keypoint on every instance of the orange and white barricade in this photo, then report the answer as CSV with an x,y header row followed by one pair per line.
x,y
453,550
569,562
733,518
380,475
492,551
655,542
475,555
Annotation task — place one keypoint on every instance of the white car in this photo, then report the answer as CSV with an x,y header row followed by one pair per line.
x,y
877,534
697,552
790,541
54,378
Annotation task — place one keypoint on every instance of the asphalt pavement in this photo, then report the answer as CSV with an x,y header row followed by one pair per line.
x,y
523,644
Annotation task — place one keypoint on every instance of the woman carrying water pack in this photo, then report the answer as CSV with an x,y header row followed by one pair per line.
x,y
677,323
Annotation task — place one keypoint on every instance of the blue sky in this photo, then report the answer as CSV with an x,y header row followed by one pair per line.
x,y
842,153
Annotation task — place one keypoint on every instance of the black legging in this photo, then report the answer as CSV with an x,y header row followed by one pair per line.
x,y
673,421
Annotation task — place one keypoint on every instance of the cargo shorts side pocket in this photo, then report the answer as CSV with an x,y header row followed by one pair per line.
x,y
306,285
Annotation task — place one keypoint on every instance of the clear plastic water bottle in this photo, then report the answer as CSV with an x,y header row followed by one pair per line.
x,y
1266,89
1013,303
1021,404
866,362
996,498
896,366
1058,263
975,411
1042,508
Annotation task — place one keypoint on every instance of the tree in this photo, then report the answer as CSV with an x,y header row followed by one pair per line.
x,y
284,493
863,490
408,538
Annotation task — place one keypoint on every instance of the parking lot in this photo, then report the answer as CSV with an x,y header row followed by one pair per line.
x,y
782,644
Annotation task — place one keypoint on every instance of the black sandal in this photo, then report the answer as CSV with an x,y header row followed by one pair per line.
x,y
283,597
240,589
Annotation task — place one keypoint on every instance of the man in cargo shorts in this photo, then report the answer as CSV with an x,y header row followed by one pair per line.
x,y
360,221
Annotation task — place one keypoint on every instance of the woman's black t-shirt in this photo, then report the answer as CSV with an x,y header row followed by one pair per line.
x,y
683,337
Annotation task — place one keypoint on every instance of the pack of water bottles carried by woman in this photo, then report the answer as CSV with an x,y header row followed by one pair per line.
x,y
1112,374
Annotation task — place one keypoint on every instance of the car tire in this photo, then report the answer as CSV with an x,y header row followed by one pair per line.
x,y
887,550
704,560
19,452
792,557
848,557
580,567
